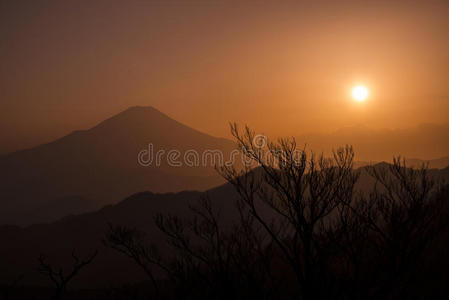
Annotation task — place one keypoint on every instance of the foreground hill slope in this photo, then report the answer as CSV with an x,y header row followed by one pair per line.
x,y
84,233
21,246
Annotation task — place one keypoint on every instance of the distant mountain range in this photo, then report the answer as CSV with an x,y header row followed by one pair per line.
x,y
426,142
88,169
439,163
91,168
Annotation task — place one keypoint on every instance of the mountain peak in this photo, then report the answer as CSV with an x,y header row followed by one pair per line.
x,y
136,116
146,123
140,111
139,108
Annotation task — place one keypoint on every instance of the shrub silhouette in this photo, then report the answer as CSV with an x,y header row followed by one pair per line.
x,y
8,288
57,276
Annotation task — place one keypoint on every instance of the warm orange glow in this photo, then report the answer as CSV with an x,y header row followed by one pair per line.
x,y
206,64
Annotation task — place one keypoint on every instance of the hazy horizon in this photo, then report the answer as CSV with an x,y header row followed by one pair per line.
x,y
424,141
11,145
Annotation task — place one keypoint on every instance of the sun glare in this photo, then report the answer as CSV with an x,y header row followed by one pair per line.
x,y
359,93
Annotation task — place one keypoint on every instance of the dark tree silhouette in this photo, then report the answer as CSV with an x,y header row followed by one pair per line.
x,y
130,242
403,221
57,276
303,191
206,260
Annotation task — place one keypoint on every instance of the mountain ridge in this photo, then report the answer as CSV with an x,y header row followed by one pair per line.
x,y
100,164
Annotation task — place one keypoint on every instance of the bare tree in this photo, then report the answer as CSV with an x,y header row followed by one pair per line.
x,y
131,243
303,191
204,259
403,220
226,260
57,276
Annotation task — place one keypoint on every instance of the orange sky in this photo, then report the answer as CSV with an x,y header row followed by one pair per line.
x,y
284,68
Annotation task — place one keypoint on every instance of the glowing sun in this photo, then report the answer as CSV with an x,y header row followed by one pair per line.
x,y
359,93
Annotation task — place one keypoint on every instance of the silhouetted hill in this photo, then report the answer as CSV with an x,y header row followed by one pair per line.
x,y
439,163
84,232
90,168
21,246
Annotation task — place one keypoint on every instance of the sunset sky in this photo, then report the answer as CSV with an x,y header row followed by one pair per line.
x,y
284,67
